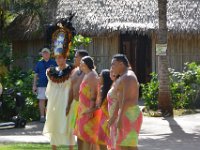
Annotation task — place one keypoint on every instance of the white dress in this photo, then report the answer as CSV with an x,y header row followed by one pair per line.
x,y
56,121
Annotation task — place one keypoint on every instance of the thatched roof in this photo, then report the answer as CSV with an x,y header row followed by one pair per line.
x,y
102,16
25,27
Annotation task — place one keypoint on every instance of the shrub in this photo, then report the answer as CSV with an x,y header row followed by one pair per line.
x,y
21,82
184,87
77,42
150,92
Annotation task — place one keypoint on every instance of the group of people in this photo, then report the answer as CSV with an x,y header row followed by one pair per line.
x,y
100,110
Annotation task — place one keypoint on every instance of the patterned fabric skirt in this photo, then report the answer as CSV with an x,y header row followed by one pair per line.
x,y
86,127
130,127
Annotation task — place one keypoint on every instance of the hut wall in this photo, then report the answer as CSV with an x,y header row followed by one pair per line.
x,y
182,50
102,49
26,53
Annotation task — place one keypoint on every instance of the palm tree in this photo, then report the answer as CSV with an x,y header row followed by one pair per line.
x,y
30,8
164,98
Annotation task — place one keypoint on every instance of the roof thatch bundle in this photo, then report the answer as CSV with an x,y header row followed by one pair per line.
x,y
95,17
25,27
102,16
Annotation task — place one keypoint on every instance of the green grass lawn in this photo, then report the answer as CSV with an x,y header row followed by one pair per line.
x,y
30,147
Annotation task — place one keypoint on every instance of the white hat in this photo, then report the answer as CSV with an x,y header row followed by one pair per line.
x,y
45,50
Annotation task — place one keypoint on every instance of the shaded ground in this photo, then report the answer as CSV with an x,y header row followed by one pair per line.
x,y
179,133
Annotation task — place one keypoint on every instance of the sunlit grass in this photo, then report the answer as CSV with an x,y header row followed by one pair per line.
x,y
24,146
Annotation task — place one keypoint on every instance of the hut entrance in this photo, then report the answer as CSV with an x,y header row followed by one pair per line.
x,y
138,50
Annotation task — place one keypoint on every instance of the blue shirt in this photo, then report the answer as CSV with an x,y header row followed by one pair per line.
x,y
40,69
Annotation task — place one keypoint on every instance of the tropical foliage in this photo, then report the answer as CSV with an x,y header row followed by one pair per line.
x,y
184,87
21,82
78,41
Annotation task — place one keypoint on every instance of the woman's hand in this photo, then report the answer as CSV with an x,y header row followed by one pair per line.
x,y
89,112
67,110
119,123
111,121
90,115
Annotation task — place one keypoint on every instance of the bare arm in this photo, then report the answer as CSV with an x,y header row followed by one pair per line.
x,y
94,108
35,83
121,106
122,96
114,115
93,90
71,92
70,100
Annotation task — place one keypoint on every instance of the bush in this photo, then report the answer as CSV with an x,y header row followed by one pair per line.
x,y
21,82
150,92
5,59
184,87
77,42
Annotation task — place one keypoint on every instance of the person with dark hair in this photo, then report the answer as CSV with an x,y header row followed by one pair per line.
x,y
86,128
105,83
81,53
89,62
122,58
129,118
72,107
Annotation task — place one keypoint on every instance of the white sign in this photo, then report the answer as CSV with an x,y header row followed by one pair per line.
x,y
161,49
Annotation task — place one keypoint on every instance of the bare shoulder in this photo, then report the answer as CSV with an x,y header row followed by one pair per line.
x,y
92,77
93,74
117,82
74,73
130,75
128,78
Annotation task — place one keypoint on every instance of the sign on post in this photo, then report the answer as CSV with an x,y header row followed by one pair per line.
x,y
161,49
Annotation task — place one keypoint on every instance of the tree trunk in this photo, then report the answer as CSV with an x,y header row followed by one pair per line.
x,y
164,97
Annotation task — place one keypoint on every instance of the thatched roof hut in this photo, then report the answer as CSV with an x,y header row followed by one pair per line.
x,y
102,16
27,35
25,27
130,26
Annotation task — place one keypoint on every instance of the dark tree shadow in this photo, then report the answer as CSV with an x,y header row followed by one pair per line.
x,y
177,140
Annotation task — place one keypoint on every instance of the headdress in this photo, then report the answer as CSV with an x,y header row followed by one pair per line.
x,y
62,37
